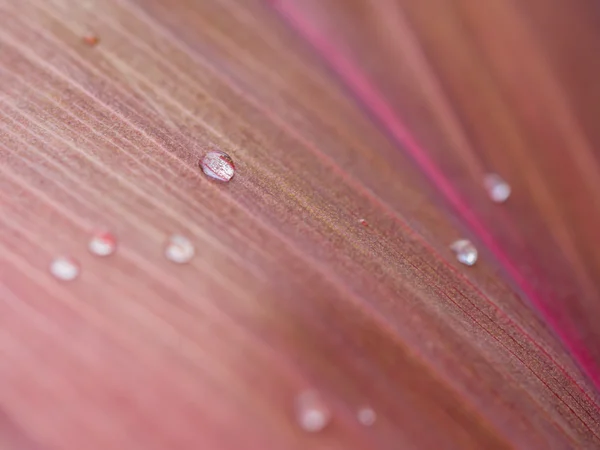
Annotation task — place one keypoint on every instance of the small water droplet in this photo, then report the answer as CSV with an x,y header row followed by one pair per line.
x,y
366,416
103,244
218,165
312,413
179,249
466,253
498,189
64,268
91,39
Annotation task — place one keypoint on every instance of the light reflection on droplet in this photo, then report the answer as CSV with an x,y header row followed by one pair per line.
x,y
218,165
64,268
466,253
103,244
179,249
498,189
366,416
311,412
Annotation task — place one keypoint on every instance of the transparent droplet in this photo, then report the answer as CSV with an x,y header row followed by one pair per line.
x,y
218,165
179,249
103,244
366,416
498,189
64,268
466,253
311,412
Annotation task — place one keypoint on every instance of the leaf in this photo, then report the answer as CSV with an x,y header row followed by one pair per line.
x,y
288,289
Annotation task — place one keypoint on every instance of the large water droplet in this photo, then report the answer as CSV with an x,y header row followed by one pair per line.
x,y
103,244
366,416
466,253
311,412
218,165
64,268
497,188
179,249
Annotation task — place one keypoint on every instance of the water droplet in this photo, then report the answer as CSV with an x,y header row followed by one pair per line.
x,y
64,268
312,413
218,165
91,39
366,416
466,253
103,244
498,189
179,249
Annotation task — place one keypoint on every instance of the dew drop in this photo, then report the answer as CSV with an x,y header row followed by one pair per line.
x,y
179,249
466,253
103,244
218,165
311,412
366,416
64,268
497,188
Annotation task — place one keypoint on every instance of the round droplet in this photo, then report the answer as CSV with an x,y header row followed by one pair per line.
x,y
103,244
466,253
497,188
311,412
179,249
366,416
64,268
218,165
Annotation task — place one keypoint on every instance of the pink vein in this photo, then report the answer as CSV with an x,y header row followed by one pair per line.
x,y
372,98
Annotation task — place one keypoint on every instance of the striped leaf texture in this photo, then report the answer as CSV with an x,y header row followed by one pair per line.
x,y
361,133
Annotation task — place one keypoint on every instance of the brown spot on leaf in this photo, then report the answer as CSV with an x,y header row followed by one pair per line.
x,y
91,40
